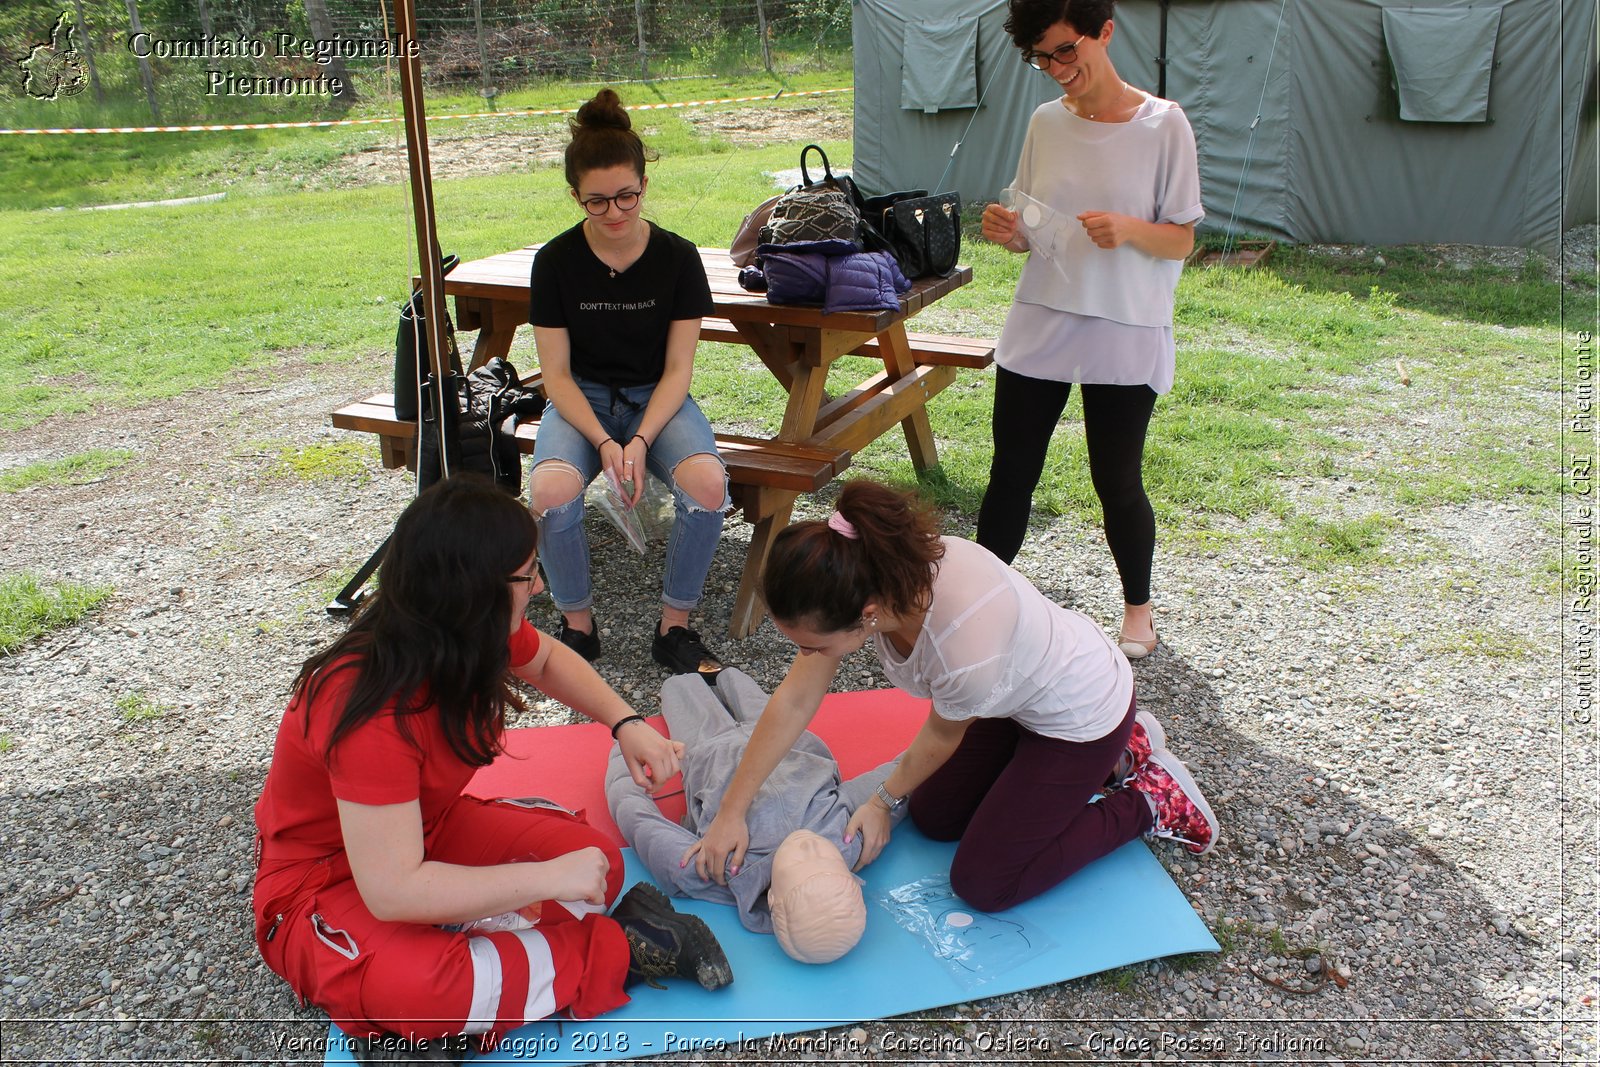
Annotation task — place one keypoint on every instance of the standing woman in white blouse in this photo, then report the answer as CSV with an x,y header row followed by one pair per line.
x,y
1033,710
1105,200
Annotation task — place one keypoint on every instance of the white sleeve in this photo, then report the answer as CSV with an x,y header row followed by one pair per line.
x,y
1178,173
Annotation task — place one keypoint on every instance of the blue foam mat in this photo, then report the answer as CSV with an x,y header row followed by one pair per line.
x,y
1121,909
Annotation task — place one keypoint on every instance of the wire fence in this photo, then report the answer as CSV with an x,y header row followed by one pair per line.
x,y
105,62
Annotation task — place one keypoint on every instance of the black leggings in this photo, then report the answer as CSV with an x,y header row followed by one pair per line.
x,y
1115,418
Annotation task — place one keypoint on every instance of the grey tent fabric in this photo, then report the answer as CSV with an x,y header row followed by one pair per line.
x,y
1443,61
940,65
1296,121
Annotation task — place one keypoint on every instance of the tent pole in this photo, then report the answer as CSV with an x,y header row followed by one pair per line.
x,y
1161,57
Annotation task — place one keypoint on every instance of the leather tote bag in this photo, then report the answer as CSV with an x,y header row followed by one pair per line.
x,y
924,234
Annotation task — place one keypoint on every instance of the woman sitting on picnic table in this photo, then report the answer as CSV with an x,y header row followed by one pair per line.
x,y
616,307
1033,706
368,853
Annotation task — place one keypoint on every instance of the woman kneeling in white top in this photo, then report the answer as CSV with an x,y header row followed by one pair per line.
x,y
1033,706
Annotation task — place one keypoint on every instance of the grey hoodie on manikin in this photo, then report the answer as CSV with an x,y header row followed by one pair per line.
x,y
804,792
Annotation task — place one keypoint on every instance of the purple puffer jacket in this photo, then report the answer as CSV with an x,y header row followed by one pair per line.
x,y
863,281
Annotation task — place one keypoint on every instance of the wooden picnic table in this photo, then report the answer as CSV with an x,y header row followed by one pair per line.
x,y
796,344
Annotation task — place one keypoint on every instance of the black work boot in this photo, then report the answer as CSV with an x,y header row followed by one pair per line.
x,y
665,943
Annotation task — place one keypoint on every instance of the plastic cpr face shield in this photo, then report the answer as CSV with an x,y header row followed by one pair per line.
x,y
818,912
1046,229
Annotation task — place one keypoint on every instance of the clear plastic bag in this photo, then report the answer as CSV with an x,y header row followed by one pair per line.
x,y
605,496
975,946
1046,229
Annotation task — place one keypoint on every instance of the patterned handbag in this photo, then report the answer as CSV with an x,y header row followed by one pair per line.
x,y
925,234
814,211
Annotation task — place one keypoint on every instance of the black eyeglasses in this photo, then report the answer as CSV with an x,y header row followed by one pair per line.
x,y
532,580
625,201
1067,53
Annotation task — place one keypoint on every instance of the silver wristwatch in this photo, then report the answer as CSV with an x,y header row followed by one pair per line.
x,y
890,801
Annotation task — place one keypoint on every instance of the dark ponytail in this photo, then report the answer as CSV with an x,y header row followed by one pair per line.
x,y
821,577
602,136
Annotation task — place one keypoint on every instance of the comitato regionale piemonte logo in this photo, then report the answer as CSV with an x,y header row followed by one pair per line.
x,y
54,70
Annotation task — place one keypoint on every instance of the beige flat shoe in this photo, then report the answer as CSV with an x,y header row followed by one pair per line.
x,y
1137,649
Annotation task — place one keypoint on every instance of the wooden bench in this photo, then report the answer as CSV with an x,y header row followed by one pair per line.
x,y
928,349
757,468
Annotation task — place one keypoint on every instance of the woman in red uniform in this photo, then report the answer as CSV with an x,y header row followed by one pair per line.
x,y
369,852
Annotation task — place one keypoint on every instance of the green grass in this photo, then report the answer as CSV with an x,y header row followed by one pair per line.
x,y
79,468
1288,376
29,609
326,462
1323,542
137,707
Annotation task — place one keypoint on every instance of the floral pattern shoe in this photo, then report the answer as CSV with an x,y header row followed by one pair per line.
x,y
1181,811
1147,737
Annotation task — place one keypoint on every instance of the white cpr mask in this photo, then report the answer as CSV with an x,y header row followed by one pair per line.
x,y
818,912
1046,229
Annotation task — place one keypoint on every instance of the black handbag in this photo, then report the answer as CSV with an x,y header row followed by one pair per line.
x,y
481,419
411,366
924,233
873,224
822,210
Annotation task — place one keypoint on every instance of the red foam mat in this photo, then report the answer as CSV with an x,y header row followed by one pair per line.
x,y
567,763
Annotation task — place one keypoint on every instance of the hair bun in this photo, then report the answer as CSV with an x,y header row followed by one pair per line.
x,y
605,111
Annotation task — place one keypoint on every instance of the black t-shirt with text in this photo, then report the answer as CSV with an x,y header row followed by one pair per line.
x,y
618,325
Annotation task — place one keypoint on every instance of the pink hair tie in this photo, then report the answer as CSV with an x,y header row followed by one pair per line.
x,y
843,526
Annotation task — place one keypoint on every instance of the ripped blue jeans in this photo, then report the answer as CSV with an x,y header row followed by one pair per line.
x,y
563,545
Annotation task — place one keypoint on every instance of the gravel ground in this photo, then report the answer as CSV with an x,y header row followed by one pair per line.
x,y
1384,747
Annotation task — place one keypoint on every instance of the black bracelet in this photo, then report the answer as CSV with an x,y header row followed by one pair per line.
x,y
639,437
620,723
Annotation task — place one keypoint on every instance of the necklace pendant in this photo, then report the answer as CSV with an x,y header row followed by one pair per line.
x,y
613,272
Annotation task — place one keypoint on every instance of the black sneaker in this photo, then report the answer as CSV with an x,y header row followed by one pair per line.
x,y
394,1049
665,943
586,645
681,651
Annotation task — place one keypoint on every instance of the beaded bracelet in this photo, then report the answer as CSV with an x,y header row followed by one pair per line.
x,y
620,723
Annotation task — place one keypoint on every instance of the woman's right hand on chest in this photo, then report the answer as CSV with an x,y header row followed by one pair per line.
x,y
579,875
720,852
1000,225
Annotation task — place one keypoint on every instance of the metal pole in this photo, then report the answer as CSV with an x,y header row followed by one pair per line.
x,y
644,55
428,256
144,64
88,53
761,28
485,88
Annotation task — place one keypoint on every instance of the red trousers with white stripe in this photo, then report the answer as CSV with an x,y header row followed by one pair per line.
x,y
421,981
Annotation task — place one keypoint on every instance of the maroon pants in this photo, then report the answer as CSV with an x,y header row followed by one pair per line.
x,y
1019,805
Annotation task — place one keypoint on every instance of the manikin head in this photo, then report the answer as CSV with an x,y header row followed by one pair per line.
x,y
818,912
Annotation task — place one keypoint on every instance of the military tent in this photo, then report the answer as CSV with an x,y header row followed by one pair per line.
x,y
1370,121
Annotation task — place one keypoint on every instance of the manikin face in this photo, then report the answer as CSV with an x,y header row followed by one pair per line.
x,y
818,911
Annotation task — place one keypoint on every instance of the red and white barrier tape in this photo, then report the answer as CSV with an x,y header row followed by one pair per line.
x,y
397,118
